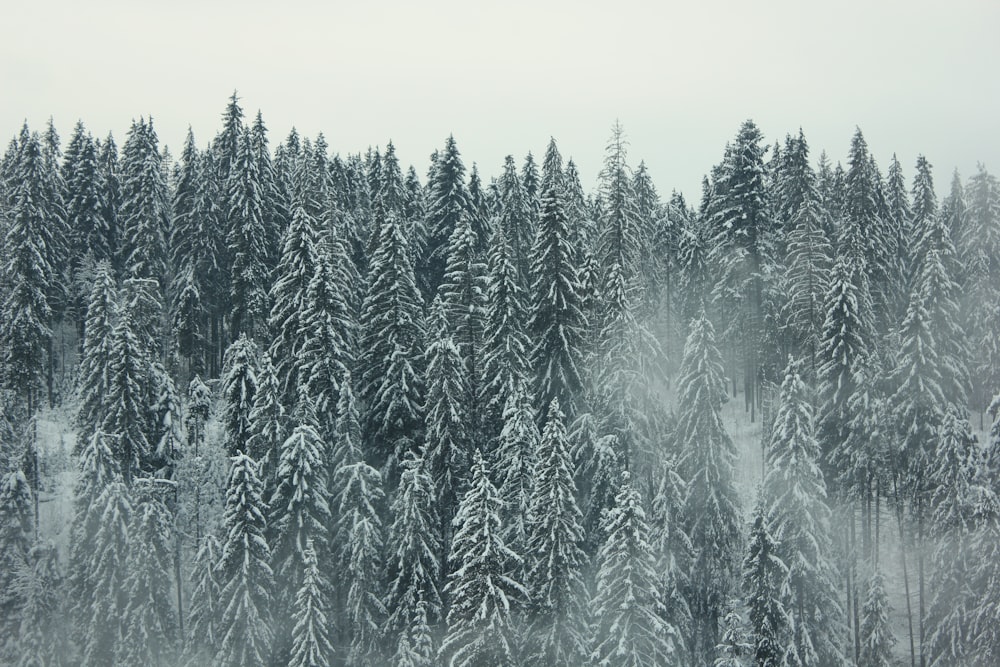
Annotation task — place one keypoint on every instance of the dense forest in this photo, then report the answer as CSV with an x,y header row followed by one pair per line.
x,y
294,407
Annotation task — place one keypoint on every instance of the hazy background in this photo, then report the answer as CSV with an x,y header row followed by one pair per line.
x,y
916,76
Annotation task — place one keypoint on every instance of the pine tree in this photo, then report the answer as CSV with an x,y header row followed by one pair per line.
x,y
765,584
145,205
126,400
733,647
37,584
620,241
204,610
448,201
106,574
630,631
707,456
554,559
506,345
672,548
296,269
16,526
391,340
481,586
311,645
514,462
248,243
876,633
516,221
245,630
414,548
267,424
798,513
898,219
556,316
239,388
110,189
148,619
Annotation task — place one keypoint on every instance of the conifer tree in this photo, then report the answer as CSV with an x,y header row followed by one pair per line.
x,y
414,563
267,424
145,205
481,586
711,510
239,388
765,582
516,221
797,511
448,201
556,316
204,610
95,360
876,633
245,631
621,239
37,584
554,558
506,345
16,526
630,632
126,400
149,620
514,462
311,645
672,548
106,574
248,243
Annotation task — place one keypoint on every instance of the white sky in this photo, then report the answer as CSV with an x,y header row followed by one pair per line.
x,y
916,76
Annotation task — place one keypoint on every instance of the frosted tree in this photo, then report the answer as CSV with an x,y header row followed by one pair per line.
x,y
16,528
506,345
481,586
311,644
149,620
268,424
37,583
357,502
295,270
448,201
413,565
514,462
711,509
672,547
630,629
145,207
245,629
126,399
102,626
556,321
554,558
621,239
95,360
734,647
391,344
876,632
204,610
765,584
239,387
516,220
797,511
416,647
248,243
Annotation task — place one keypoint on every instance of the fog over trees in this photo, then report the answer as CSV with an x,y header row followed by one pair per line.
x,y
265,403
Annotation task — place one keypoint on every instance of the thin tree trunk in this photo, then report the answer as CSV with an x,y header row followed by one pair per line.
x,y
854,596
906,575
920,575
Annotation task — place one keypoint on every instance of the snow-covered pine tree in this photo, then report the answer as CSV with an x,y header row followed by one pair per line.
x,y
620,239
204,611
357,503
557,322
514,463
145,207
149,620
274,195
248,243
672,548
268,423
797,511
16,528
413,567
531,183
95,359
448,201
127,402
898,220
516,221
506,346
239,389
311,645
482,587
631,631
84,218
711,509
554,560
416,647
245,629
734,648
106,571
295,270
765,584
40,641
391,345
876,631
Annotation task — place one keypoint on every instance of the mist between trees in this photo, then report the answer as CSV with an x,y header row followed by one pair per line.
x,y
292,407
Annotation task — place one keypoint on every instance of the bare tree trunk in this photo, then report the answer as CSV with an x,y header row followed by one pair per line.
x,y
906,575
854,581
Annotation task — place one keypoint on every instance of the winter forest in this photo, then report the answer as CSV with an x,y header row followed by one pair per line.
x,y
264,403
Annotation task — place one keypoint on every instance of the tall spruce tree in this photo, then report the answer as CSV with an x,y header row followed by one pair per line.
x,y
311,644
448,201
248,243
765,581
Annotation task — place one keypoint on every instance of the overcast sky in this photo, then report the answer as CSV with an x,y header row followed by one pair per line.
x,y
916,76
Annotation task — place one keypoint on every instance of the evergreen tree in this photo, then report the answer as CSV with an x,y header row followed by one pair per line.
x,y
620,241
95,360
267,424
204,611
553,554
876,633
514,462
16,526
37,584
311,645
448,201
245,631
556,316
516,221
797,511
734,646
765,584
481,586
126,400
106,574
239,389
631,631
110,189
248,243
711,510
149,621
145,206
672,548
